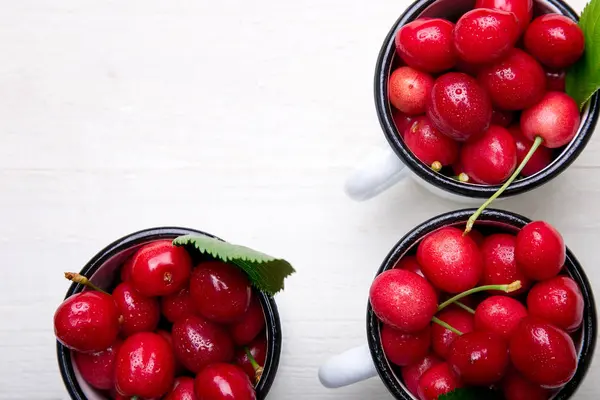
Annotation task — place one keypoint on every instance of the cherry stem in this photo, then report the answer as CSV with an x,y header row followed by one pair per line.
x,y
445,325
257,368
436,166
536,143
516,285
78,278
133,398
464,307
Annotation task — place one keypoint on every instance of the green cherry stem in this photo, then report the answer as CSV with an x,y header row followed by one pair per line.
x,y
445,325
465,307
536,143
78,278
516,285
257,368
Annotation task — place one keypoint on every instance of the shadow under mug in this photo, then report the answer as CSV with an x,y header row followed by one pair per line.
x,y
388,166
103,270
366,361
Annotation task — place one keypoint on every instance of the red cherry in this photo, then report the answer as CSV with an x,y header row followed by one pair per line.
x,y
405,348
183,389
402,121
477,237
500,315
252,323
479,358
515,82
540,250
484,35
502,118
515,387
459,107
411,374
558,301
126,270
426,44
442,338
468,68
177,305
198,342
145,366
403,300
98,369
555,81
258,349
523,9
555,118
409,263
223,382
220,292
499,264
555,40
491,158
540,159
179,368
428,144
87,322
159,269
140,314
438,380
450,261
542,353
409,90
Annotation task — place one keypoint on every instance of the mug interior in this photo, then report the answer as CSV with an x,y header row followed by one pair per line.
x,y
491,221
389,60
104,271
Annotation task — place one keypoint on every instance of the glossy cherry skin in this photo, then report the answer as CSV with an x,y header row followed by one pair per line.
x,y
98,369
555,118
223,382
198,342
139,313
177,305
515,82
491,158
430,145
220,292
442,338
403,300
485,35
502,118
126,270
252,323
258,349
411,374
183,389
555,40
500,315
179,368
409,90
450,261
499,264
87,322
405,348
438,380
543,353
479,358
145,366
426,44
515,387
159,269
523,9
555,81
540,250
459,107
558,301
538,161
402,121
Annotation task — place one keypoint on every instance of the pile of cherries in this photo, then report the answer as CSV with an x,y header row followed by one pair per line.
x,y
168,330
513,333
473,96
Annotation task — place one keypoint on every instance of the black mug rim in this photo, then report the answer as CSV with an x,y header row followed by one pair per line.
x,y
384,113
273,323
491,215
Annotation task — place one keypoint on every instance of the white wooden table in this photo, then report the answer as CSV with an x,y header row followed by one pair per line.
x,y
241,118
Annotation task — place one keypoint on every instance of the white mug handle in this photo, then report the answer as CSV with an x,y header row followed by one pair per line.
x,y
352,366
380,171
